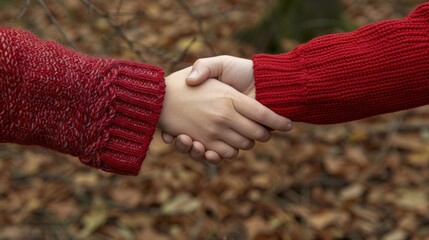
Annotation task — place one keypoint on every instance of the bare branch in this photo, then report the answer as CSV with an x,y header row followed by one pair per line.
x,y
183,55
23,9
55,22
121,33
185,5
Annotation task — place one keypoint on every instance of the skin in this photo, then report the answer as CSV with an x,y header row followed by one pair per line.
x,y
234,74
219,118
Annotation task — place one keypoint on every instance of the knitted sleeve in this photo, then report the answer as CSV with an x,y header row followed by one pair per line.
x,y
103,110
380,68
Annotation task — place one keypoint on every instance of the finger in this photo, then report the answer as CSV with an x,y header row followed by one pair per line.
x,y
212,157
250,129
204,69
183,143
257,112
223,149
197,151
167,138
237,140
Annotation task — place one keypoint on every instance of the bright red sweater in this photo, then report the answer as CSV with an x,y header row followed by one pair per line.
x,y
380,68
103,110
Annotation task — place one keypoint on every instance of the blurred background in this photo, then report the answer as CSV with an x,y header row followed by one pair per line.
x,y
361,180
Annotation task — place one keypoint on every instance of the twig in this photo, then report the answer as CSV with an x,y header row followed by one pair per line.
x,y
55,22
183,55
119,30
200,26
23,9
113,25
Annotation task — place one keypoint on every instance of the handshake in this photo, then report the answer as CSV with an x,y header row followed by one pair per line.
x,y
210,110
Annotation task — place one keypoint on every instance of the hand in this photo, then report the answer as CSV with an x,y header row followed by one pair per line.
x,y
236,72
222,119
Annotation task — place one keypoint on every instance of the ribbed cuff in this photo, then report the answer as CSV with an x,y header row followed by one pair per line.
x,y
280,82
135,95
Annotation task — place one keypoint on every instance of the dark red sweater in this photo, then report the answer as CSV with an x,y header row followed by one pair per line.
x,y
103,110
380,68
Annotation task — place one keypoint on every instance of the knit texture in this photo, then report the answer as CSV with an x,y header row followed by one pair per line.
x,y
380,68
103,110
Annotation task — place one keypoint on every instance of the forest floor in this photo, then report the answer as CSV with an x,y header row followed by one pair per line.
x,y
361,180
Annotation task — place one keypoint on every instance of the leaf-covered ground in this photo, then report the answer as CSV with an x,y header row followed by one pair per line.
x,y
362,180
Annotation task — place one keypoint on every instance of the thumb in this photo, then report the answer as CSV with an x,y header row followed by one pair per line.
x,y
204,69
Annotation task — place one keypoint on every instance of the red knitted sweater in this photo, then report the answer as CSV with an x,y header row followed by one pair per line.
x,y
380,68
103,110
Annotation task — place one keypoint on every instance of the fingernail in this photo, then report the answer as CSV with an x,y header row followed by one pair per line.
x,y
289,126
193,75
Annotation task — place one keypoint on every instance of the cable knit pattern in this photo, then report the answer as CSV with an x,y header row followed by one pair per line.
x,y
103,110
380,68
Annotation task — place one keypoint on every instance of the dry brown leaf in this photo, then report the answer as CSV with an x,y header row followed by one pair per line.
x,y
325,218
34,162
126,196
262,181
334,165
409,223
256,225
420,158
331,135
86,179
136,220
352,192
181,204
94,219
65,209
149,233
157,146
396,235
212,204
163,195
407,142
366,214
358,135
411,198
356,155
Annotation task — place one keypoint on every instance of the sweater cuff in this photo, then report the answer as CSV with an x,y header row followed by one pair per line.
x,y
135,93
277,74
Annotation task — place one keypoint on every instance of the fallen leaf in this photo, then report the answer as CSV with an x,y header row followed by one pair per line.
x,y
411,198
182,204
261,181
352,192
419,158
33,162
325,218
256,225
94,218
65,209
407,142
396,235
126,196
149,234
86,179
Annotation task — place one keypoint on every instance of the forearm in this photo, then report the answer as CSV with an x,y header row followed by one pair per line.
x,y
380,68
102,110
